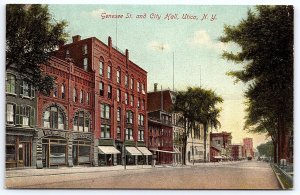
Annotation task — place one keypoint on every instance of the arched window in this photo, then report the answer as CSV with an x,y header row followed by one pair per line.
x,y
119,76
75,95
54,118
101,67
11,83
81,122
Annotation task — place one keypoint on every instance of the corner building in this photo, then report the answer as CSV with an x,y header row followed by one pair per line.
x,y
118,119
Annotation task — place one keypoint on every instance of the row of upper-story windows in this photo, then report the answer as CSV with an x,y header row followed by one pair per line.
x,y
55,118
20,115
84,97
26,89
106,133
105,111
139,85
129,99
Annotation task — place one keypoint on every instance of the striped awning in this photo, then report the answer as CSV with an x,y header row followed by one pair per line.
x,y
144,151
133,151
108,150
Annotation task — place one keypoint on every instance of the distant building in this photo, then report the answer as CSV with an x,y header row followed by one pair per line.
x,y
222,142
236,151
248,147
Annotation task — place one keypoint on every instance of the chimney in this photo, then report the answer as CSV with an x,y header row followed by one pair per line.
x,y
76,38
127,57
155,87
109,42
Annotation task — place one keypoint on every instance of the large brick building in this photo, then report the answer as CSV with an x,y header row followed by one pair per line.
x,y
119,99
248,147
221,141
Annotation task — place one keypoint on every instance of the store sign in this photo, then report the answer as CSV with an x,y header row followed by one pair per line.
x,y
82,136
55,133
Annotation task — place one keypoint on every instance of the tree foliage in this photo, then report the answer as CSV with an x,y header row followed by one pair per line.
x,y
266,39
266,149
31,37
198,105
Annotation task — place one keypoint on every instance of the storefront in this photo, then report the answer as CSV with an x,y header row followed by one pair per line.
x,y
82,148
19,148
107,155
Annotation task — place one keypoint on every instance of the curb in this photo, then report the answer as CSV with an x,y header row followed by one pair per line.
x,y
278,179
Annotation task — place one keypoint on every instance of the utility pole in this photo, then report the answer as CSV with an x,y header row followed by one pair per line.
x,y
173,71
116,29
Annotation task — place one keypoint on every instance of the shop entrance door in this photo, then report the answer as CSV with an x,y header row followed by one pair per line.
x,y
24,154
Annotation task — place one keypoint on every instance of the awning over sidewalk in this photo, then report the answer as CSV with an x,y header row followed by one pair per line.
x,y
133,151
144,151
218,157
108,150
165,151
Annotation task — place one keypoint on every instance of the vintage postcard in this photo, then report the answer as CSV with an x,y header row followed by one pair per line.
x,y
149,96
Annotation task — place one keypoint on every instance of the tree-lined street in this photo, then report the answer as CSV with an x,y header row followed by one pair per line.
x,y
236,175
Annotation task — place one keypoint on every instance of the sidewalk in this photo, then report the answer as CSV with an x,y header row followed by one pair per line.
x,y
70,170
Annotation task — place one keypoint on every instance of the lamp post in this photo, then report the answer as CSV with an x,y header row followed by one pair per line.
x,y
124,151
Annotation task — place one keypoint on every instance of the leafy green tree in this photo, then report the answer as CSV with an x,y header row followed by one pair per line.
x,y
197,105
266,39
266,149
31,37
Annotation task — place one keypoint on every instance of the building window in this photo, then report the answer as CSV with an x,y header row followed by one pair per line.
x,y
126,98
138,86
54,118
81,122
129,135
87,98
129,117
143,104
118,95
101,88
85,64
101,66
11,83
81,96
131,100
109,72
131,83
118,76
10,111
85,49
139,103
74,95
126,80
119,133
109,91
119,114
105,131
63,91
143,88
141,120
27,90
55,90
141,135
25,115
105,111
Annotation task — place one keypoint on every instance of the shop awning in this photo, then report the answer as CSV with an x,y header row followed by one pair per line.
x,y
177,151
218,157
144,151
133,151
108,150
166,151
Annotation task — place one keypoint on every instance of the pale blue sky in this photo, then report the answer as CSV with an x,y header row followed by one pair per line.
x,y
194,43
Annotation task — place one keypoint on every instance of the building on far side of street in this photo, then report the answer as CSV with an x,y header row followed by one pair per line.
x,y
248,147
222,142
236,151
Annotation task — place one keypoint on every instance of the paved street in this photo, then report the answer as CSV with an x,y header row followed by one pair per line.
x,y
236,175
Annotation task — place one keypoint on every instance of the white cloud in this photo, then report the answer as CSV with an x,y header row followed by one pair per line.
x,y
159,46
202,39
94,13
